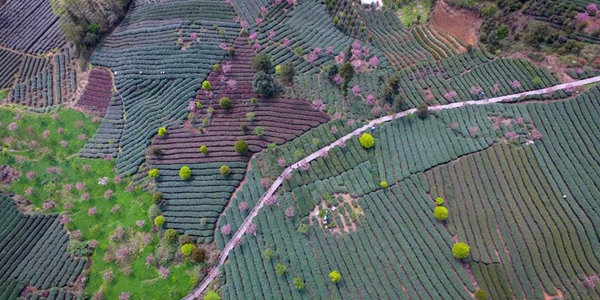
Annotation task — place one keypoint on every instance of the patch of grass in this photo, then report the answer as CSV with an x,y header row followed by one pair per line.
x,y
3,94
411,11
52,172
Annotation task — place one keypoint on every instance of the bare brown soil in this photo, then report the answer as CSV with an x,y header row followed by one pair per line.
x,y
461,23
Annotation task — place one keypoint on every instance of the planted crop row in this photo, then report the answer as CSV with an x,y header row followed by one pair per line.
x,y
30,26
106,140
10,62
193,206
34,251
528,219
98,92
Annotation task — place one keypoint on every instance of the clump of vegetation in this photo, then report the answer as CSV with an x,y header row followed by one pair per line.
x,y
299,283
211,295
199,255
225,170
262,63
287,73
482,295
439,201
225,102
383,184
241,147
185,173
203,149
206,85
423,111
440,213
188,249
280,269
153,173
157,197
162,131
335,276
366,141
461,250
159,221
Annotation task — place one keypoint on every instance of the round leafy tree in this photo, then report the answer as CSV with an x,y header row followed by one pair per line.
x,y
367,141
212,295
198,255
439,201
461,250
157,197
241,147
225,102
162,131
153,173
423,111
263,84
203,149
159,221
170,235
262,62
299,283
383,184
482,295
335,276
187,249
280,269
225,170
440,213
287,73
185,173
206,85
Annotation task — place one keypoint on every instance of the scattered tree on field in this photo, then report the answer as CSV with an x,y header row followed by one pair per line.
x,y
482,295
287,73
211,295
225,170
335,276
440,213
188,249
185,173
366,141
241,147
159,221
280,269
224,102
153,173
423,111
162,131
461,250
262,83
262,62
299,283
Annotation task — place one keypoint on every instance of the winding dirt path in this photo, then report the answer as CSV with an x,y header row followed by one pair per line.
x,y
242,229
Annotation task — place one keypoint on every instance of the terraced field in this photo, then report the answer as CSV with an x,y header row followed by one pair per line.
x,y
157,164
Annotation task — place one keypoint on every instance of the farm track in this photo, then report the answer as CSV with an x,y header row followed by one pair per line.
x,y
242,229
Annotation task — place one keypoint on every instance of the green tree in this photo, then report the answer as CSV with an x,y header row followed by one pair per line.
x,y
461,250
262,63
153,173
162,131
366,141
440,213
198,255
225,102
287,73
482,295
188,249
185,173
347,71
159,221
262,83
335,276
299,283
225,170
170,235
206,85
439,201
241,147
203,149
259,131
423,111
383,184
280,269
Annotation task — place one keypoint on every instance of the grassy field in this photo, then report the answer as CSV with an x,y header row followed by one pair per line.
x,y
414,12
44,149
3,94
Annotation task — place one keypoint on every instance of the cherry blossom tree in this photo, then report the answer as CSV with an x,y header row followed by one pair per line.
x,y
251,229
374,61
290,212
243,206
271,200
226,229
356,90
271,34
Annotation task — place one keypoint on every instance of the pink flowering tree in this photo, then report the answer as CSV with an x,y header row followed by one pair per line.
x,y
258,21
515,84
237,242
281,162
450,95
226,229
254,36
290,212
356,90
271,34
263,10
592,8
374,61
318,105
271,200
223,47
329,50
582,17
251,229
243,206
244,24
371,100
286,42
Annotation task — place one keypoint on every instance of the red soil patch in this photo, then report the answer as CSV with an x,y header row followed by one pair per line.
x,y
461,23
282,119
98,92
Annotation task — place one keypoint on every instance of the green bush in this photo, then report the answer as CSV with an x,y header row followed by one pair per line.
x,y
423,111
162,131
159,221
280,269
153,211
287,73
303,228
366,140
153,173
253,101
198,255
461,250
170,235
383,184
347,72
225,102
299,283
262,62
250,116
78,248
277,69
188,249
206,85
225,170
440,213
439,201
482,295
268,253
212,295
259,131
335,276
203,149
185,173
157,197
216,67
263,84
241,147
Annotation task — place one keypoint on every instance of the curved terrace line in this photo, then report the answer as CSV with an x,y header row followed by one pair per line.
x,y
242,229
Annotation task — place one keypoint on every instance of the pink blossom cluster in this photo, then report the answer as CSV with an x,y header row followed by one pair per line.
x,y
251,229
271,200
243,206
450,95
226,229
371,100
281,161
318,105
515,84
356,90
92,211
290,212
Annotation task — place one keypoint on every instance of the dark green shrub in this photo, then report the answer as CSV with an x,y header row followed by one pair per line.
x,y
225,102
225,170
241,147
198,255
262,62
423,111
170,235
157,197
